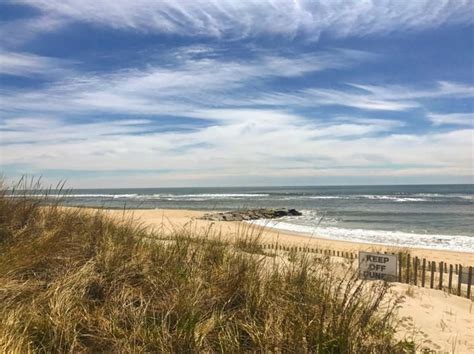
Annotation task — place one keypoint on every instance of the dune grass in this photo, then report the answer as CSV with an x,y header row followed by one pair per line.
x,y
74,280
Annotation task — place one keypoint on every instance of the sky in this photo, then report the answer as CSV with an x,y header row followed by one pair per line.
x,y
162,93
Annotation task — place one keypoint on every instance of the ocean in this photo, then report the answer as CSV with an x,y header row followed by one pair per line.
x,y
427,216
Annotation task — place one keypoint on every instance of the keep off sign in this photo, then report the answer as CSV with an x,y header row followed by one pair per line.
x,y
377,266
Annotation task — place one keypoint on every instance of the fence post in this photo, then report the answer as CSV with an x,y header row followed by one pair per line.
x,y
457,272
408,270
441,271
459,279
433,266
450,279
423,270
469,281
415,270
400,267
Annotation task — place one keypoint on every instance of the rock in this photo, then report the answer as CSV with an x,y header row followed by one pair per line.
x,y
251,214
294,212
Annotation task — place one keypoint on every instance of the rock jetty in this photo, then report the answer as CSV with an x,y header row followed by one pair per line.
x,y
252,214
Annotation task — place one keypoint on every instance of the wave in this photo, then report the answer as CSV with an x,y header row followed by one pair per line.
x,y
213,195
419,197
192,197
39,195
398,198
381,237
371,197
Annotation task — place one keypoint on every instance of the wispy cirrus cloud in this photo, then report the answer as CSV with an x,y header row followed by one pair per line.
x,y
197,79
368,97
397,92
27,64
250,18
452,118
226,107
315,97
188,84
16,32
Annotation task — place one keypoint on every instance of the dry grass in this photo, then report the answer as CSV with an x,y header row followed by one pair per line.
x,y
76,281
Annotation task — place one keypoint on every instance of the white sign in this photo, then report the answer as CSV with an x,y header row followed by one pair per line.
x,y
377,266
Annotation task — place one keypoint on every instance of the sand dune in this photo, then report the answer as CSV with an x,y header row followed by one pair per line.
x,y
442,322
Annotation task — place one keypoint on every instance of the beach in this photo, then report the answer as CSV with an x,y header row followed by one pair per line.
x,y
438,320
169,220
438,217
429,316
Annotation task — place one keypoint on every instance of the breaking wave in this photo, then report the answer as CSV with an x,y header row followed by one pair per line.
x,y
390,238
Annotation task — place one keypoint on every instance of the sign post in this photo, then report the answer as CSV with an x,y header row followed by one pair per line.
x,y
377,266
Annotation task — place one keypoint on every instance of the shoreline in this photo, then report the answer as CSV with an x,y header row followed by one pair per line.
x,y
168,220
376,244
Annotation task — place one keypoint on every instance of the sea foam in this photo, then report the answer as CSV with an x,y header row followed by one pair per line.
x,y
382,237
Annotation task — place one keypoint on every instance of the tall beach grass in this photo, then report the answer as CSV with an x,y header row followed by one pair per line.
x,y
75,280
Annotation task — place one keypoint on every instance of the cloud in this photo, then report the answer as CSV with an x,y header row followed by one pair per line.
x,y
192,79
26,64
452,118
442,89
251,18
315,97
34,130
368,97
189,83
16,32
252,143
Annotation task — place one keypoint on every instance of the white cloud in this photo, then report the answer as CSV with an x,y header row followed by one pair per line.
x,y
314,97
26,64
189,84
16,32
26,130
368,97
251,143
442,89
198,80
452,118
248,18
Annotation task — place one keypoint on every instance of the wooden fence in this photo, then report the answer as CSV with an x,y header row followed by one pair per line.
x,y
411,270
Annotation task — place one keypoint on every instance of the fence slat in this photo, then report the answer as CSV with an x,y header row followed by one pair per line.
x,y
415,271
450,279
408,270
400,267
441,272
433,266
423,273
469,281
459,279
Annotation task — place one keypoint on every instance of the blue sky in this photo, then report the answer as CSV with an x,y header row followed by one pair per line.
x,y
155,93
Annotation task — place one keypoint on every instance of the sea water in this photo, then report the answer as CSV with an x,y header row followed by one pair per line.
x,y
428,216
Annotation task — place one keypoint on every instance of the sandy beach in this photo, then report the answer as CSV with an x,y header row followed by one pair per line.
x,y
442,322
168,220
